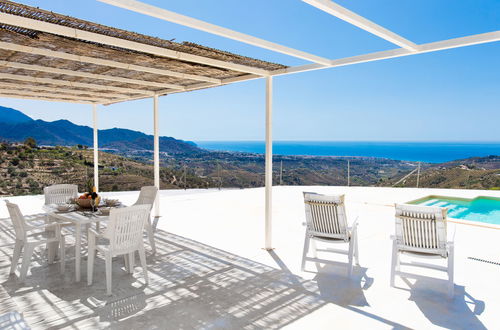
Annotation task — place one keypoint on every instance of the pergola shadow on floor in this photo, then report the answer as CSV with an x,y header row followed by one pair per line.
x,y
194,285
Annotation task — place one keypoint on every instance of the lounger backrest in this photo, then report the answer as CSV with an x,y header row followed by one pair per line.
x,y
421,228
126,226
147,196
20,226
60,193
326,216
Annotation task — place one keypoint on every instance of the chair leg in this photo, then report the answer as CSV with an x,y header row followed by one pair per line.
x,y
62,254
142,256
28,253
15,257
394,262
52,247
451,261
90,260
131,259
108,260
304,253
149,229
127,264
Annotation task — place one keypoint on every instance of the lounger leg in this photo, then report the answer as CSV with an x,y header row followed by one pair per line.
x,y
350,256
149,229
15,257
314,248
108,260
142,256
356,247
394,262
28,252
304,253
451,284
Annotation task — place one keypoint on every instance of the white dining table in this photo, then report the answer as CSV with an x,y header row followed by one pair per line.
x,y
78,219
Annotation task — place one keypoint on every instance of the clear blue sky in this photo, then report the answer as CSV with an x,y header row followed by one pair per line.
x,y
449,95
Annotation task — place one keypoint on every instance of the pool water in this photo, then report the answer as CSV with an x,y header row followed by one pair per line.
x,y
482,209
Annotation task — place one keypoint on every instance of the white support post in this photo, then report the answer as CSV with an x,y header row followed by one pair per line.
x,y
418,174
96,147
348,172
156,155
269,163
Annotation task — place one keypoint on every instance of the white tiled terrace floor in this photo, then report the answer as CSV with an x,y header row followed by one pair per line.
x,y
210,271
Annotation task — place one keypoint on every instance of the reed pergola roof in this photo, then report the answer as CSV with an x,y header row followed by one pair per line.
x,y
95,69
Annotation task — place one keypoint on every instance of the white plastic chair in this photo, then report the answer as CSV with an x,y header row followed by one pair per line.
x,y
124,237
148,196
60,193
326,221
421,232
29,237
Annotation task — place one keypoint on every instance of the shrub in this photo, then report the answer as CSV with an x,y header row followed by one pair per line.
x,y
30,142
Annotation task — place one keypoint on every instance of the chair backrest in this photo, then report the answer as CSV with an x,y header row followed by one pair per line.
x,y
60,193
421,228
20,226
326,216
147,196
126,227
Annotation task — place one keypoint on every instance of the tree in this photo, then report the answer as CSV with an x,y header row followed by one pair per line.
x,y
30,142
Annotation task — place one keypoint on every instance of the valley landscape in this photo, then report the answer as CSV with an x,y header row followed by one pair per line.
x,y
36,153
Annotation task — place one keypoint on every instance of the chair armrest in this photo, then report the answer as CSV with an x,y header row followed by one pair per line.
x,y
94,233
43,226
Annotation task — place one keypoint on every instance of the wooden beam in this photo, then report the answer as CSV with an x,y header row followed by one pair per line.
x,y
399,52
74,73
103,62
61,30
362,23
197,24
193,87
38,98
73,84
54,95
61,90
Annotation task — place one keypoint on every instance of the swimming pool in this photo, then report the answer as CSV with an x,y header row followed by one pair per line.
x,y
482,209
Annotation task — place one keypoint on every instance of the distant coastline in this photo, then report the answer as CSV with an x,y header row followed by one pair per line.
x,y
430,152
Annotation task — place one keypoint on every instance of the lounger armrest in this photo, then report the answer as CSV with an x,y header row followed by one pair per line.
x,y
451,234
354,224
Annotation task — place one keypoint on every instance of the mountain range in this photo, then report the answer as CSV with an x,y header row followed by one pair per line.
x,y
15,126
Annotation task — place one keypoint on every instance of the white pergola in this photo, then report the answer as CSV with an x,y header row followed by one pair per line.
x,y
404,48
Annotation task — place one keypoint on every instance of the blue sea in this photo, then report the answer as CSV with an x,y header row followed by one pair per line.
x,y
431,152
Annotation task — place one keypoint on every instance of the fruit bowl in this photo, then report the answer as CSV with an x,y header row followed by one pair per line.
x,y
86,203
